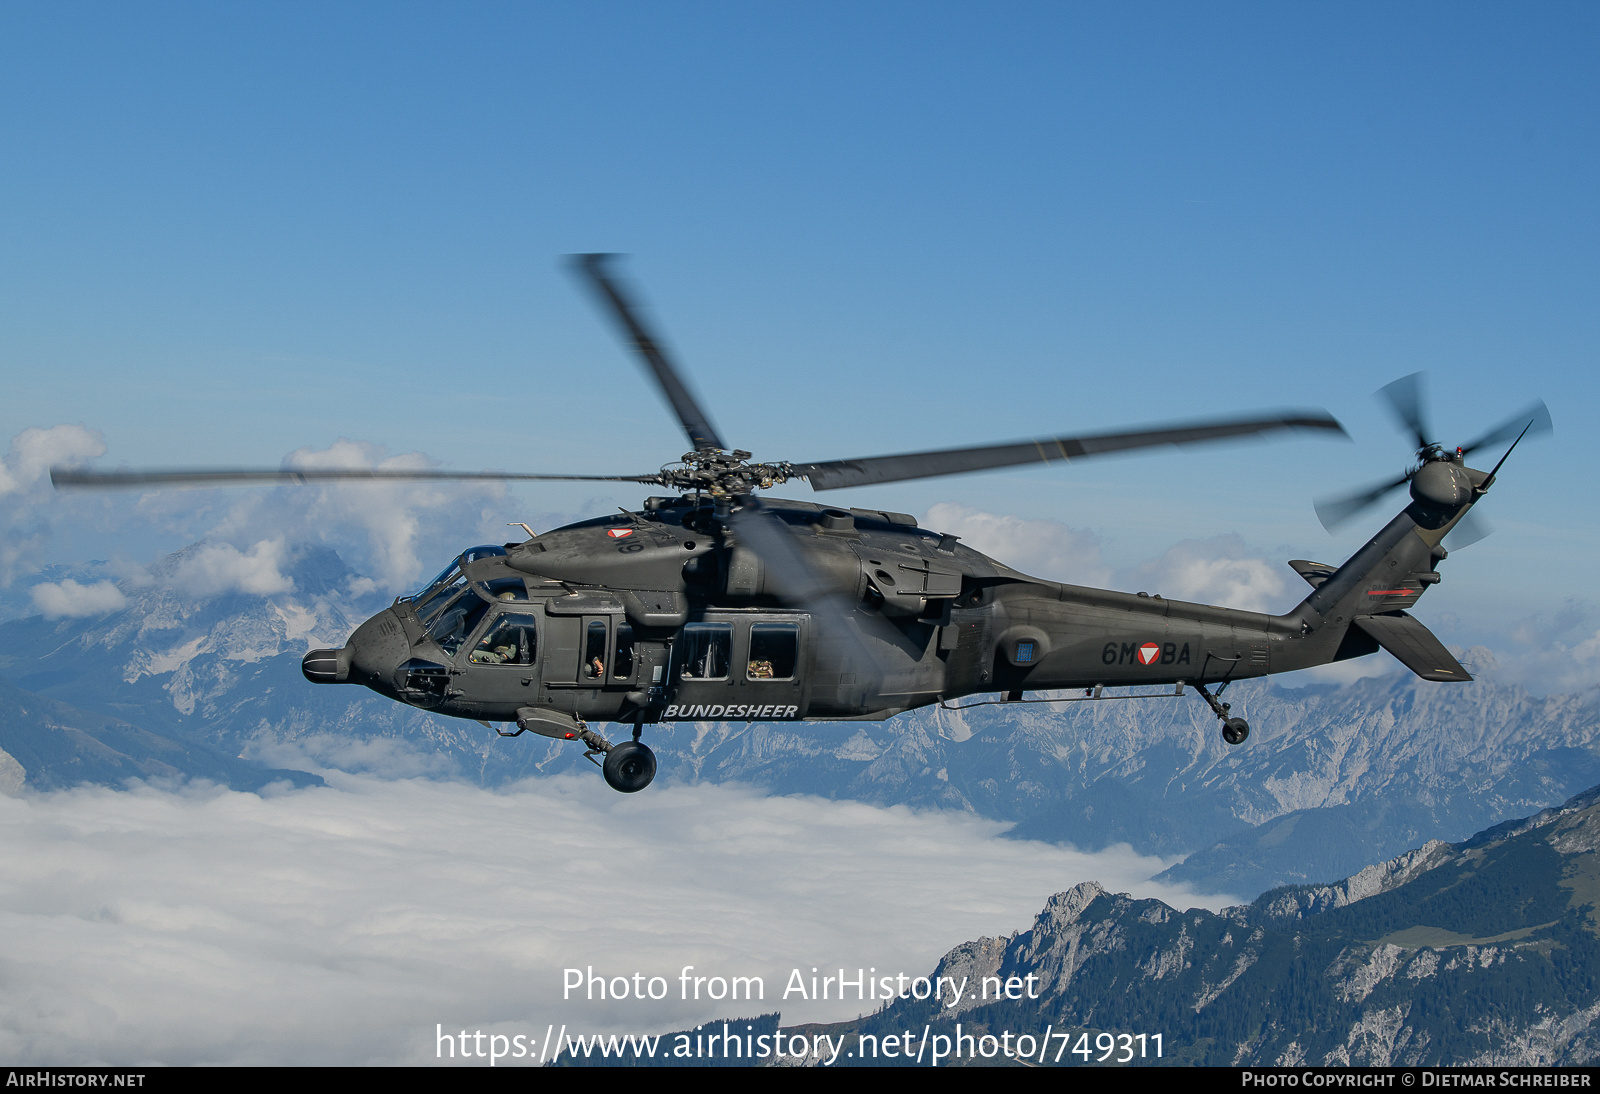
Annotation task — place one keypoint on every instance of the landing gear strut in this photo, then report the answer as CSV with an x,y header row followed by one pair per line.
x,y
628,767
1234,730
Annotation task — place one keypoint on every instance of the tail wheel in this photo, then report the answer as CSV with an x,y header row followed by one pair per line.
x,y
629,767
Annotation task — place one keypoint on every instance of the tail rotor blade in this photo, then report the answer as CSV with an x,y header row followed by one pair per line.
x,y
1333,512
1533,419
1468,530
1405,399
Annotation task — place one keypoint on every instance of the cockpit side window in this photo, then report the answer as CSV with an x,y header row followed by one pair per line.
x,y
452,625
511,640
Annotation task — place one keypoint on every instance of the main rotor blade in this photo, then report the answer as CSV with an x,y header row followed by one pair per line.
x,y
798,585
1333,512
1533,418
1405,398
696,423
763,532
72,476
954,461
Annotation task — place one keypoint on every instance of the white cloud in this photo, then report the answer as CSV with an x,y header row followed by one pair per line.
x,y
1341,672
220,567
1219,571
1553,652
68,598
1551,661
29,508
1042,548
1587,652
130,573
341,925
35,451
393,531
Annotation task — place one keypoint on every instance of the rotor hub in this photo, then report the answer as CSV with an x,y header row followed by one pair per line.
x,y
723,474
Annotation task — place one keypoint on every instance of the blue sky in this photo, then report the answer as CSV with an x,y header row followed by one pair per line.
x,y
231,231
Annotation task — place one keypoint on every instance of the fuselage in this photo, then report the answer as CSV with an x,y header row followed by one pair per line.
x,y
658,616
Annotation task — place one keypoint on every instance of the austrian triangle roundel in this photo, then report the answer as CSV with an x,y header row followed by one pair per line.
x,y
1148,653
618,533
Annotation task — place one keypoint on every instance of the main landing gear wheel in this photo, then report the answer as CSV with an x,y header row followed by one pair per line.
x,y
629,767
1234,730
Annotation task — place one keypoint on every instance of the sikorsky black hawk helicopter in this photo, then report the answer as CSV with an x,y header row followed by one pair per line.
x,y
714,604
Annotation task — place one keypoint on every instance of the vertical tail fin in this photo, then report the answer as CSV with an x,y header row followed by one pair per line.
x,y
1371,591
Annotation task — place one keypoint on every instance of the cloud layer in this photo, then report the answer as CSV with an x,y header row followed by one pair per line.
x,y
340,925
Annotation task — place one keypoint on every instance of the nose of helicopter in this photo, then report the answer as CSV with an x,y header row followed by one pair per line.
x,y
327,666
370,657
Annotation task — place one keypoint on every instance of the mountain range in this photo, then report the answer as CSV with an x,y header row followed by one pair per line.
x,y
179,683
1480,953
1484,953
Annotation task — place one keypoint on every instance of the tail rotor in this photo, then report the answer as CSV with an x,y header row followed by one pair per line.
x,y
1436,477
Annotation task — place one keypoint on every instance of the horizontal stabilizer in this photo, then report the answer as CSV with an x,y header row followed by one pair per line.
x,y
1414,646
1315,573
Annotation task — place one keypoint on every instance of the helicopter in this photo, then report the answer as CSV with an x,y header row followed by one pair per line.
x,y
716,603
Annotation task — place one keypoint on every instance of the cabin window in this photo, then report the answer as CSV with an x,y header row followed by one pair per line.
x,y
622,663
705,650
594,650
774,651
512,640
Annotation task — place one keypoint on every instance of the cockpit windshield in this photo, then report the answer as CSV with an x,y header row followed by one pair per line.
x,y
432,599
438,592
471,554
485,550
457,620
444,576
